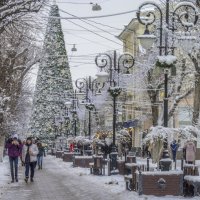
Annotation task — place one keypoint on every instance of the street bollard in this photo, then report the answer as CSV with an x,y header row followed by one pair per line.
x,y
147,163
73,160
104,169
182,164
175,165
109,172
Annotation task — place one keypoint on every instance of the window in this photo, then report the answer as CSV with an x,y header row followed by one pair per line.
x,y
184,116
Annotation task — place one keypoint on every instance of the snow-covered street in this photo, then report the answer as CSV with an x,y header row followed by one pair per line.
x,y
59,180
107,92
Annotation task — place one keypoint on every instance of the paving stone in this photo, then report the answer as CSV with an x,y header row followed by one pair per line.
x,y
51,184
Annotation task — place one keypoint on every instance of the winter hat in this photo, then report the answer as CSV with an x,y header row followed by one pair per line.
x,y
29,138
15,136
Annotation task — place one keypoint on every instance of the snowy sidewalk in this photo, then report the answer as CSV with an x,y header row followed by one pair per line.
x,y
60,181
4,175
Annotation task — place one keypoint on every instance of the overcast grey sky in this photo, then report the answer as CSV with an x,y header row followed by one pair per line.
x,y
89,43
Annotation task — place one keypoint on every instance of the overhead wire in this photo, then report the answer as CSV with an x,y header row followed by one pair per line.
x,y
87,22
109,26
104,25
89,30
93,31
92,41
96,27
70,2
93,26
75,35
102,16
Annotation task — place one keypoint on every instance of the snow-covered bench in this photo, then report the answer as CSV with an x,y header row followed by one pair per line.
x,y
193,181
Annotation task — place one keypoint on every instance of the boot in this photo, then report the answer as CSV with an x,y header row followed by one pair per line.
x,y
32,180
26,179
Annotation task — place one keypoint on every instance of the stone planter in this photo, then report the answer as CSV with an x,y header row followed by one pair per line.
x,y
83,161
59,154
160,183
68,157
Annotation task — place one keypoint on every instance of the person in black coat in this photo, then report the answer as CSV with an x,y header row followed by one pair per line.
x,y
41,153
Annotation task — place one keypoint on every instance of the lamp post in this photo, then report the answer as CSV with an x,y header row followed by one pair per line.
x,y
87,86
115,66
184,16
67,120
72,107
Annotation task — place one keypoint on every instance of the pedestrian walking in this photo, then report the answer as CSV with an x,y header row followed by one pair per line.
x,y
14,150
71,147
41,153
29,157
190,150
174,148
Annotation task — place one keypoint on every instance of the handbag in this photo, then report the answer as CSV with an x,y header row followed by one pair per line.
x,y
27,157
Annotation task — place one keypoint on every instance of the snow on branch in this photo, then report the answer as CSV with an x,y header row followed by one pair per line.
x,y
166,61
177,100
11,10
160,133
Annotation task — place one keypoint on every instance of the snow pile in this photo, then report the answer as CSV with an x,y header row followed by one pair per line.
x,y
160,133
82,140
114,184
168,60
4,174
192,178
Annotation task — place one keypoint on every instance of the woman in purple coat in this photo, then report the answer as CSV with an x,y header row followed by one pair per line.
x,y
14,151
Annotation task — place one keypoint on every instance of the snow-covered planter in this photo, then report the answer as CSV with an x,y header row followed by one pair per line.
x,y
166,61
81,140
124,137
114,91
89,106
105,136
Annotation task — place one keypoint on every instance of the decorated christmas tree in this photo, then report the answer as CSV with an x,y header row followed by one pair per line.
x,y
54,82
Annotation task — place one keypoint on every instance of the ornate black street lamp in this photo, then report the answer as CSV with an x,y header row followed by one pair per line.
x,y
67,120
115,66
183,17
72,108
87,86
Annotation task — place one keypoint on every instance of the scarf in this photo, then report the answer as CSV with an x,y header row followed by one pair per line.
x,y
27,157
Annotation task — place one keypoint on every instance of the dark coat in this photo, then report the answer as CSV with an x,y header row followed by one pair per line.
x,y
41,151
174,148
13,149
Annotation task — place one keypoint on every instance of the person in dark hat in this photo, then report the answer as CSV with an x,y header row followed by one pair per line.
x,y
29,157
14,151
